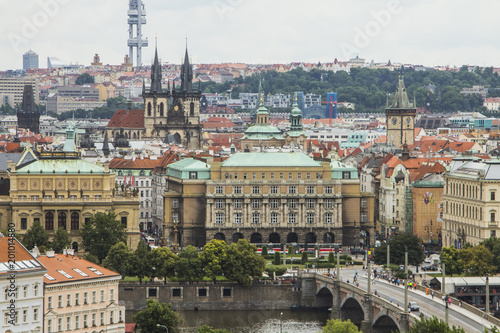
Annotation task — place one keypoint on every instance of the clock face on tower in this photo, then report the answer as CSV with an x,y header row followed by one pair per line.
x,y
176,108
408,120
394,120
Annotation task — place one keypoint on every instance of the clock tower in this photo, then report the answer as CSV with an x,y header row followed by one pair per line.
x,y
401,118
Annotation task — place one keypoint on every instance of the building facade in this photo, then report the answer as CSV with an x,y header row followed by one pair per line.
x,y
427,208
80,296
27,296
12,89
265,198
30,60
471,202
28,116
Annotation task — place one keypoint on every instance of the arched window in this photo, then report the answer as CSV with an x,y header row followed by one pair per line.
x,y
161,109
49,221
149,109
61,220
75,221
191,109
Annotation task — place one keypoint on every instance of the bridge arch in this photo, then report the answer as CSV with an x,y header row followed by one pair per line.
x,y
385,323
324,298
351,309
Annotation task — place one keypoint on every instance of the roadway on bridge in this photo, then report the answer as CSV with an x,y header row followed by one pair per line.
x,y
428,306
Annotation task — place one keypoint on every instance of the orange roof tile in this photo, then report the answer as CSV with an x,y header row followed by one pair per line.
x,y
137,163
62,268
127,119
21,254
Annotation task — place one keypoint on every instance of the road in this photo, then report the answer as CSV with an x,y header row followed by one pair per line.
x,y
428,306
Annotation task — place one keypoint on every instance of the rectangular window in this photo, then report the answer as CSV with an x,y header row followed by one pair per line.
x,y
102,296
94,320
219,204
94,297
329,189
310,189
492,217
112,295
492,196
24,223
237,218
281,175
364,203
292,203
202,292
175,203
235,175
274,204
310,218
254,175
68,323
318,175
290,175
237,203
60,324
328,218
274,218
68,300
346,175
176,292
299,175
219,218
77,322
255,218
227,292
328,203
59,301
85,321
124,221
193,175
35,314
255,189
111,317
175,217
364,217
292,218
49,302
25,291
310,203
308,175
49,325
25,316
272,175
102,319
263,175
219,189
244,175
237,190
77,299
255,203
274,189
152,292
292,189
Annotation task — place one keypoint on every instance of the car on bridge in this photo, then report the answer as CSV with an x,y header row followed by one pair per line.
x,y
413,306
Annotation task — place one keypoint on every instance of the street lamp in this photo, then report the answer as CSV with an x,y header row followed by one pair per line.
x,y
355,240
165,327
281,322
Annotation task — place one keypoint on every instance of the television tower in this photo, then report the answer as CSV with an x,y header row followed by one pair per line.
x,y
136,16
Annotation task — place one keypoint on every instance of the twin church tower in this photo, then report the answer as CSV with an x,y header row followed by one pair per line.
x,y
171,115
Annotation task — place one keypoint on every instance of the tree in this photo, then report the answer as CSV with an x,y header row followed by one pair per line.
x,y
277,258
163,263
433,325
243,263
264,250
493,244
478,261
141,262
61,240
119,259
339,326
453,264
84,78
156,313
91,258
189,266
304,258
212,257
101,233
331,258
397,247
35,236
208,329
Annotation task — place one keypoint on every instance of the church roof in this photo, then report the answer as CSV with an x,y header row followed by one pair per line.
x,y
294,159
182,169
401,98
263,132
127,119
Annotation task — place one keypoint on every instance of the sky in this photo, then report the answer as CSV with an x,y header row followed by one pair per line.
x,y
419,32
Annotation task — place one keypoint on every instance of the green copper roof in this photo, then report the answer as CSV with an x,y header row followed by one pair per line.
x,y
263,132
262,110
185,168
340,170
296,134
61,166
270,160
296,111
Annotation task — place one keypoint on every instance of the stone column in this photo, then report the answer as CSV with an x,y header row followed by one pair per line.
x,y
404,325
366,324
335,314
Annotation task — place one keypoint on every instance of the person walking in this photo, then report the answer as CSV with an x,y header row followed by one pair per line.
x,y
432,294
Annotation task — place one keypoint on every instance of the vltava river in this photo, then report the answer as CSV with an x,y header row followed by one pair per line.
x,y
267,321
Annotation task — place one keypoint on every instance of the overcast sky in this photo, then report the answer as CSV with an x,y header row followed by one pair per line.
x,y
426,32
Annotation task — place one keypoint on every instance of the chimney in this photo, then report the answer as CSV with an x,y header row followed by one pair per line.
x,y
51,254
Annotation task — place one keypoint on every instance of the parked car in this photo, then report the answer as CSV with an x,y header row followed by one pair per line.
x,y
357,250
413,306
429,268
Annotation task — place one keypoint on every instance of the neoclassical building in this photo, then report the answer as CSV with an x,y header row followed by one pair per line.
x,y
265,198
178,123
262,134
471,202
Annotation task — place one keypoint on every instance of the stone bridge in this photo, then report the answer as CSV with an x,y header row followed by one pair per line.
x,y
371,313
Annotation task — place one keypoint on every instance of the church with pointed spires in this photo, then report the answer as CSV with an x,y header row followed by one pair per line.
x,y
28,115
401,118
171,115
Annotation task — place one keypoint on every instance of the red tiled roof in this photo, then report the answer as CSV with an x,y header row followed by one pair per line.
x,y
72,265
137,163
127,119
130,327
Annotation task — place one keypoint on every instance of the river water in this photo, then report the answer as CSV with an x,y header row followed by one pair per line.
x,y
267,321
